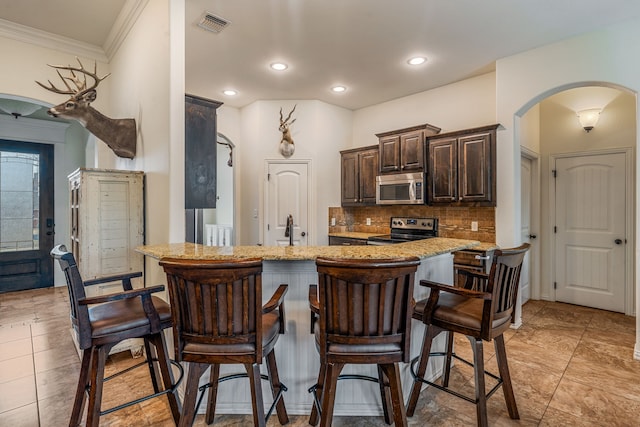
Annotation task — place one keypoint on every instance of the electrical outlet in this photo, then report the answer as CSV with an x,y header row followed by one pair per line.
x,y
368,221
333,222
474,225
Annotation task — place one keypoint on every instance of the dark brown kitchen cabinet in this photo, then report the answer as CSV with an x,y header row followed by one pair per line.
x,y
359,170
462,167
403,150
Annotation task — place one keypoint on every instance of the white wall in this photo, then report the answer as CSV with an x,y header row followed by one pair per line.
x,y
525,79
460,105
321,130
142,88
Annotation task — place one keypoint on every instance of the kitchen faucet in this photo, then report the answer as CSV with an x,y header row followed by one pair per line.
x,y
288,231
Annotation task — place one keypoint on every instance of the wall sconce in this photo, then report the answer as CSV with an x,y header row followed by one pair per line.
x,y
589,118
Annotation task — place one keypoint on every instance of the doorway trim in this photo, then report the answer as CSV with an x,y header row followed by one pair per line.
x,y
534,255
629,285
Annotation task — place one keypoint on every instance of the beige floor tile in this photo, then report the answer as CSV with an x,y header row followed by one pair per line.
x,y
24,416
58,382
14,332
58,339
55,411
17,393
17,348
15,368
594,404
55,358
617,377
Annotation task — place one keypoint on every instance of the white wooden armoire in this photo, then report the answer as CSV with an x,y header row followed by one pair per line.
x,y
106,225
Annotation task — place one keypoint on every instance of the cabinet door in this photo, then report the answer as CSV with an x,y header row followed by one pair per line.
x,y
350,179
474,168
390,153
412,151
442,171
368,169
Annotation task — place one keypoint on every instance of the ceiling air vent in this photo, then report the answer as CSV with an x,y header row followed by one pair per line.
x,y
213,23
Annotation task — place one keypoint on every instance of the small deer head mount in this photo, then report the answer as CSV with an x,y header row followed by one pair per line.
x,y
118,134
286,144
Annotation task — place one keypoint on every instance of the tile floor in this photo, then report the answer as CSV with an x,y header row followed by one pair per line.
x,y
571,366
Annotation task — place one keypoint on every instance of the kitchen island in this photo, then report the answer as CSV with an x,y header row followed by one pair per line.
x,y
298,360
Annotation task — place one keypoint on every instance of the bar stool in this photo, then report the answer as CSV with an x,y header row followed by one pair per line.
x,y
363,312
219,319
102,322
482,310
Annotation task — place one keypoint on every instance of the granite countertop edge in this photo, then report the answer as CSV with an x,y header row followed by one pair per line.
x,y
421,249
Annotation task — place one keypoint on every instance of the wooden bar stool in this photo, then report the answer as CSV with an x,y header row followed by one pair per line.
x,y
102,322
363,311
482,310
219,319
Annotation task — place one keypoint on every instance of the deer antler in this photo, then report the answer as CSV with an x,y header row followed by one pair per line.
x,y
289,116
81,85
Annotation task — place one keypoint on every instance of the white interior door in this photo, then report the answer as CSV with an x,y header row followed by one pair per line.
x,y
286,194
526,171
591,230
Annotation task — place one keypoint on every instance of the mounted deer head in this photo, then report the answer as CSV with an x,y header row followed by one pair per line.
x,y
286,144
118,134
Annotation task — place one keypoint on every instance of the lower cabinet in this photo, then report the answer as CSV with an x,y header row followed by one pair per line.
x,y
469,259
346,241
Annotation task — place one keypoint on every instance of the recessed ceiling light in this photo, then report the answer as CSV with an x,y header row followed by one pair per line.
x,y
418,60
279,66
230,92
338,88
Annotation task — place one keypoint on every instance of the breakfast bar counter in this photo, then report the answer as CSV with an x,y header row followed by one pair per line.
x,y
298,360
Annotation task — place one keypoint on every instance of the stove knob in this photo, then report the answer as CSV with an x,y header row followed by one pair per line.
x,y
424,224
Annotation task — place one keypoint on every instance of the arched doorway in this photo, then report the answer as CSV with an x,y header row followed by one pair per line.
x,y
572,266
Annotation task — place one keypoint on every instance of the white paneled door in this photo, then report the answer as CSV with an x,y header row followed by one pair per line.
x,y
591,230
286,193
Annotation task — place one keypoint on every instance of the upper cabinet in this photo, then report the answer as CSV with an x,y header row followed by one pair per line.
x,y
359,169
403,150
461,167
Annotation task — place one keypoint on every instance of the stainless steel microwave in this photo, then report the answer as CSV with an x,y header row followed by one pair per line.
x,y
400,189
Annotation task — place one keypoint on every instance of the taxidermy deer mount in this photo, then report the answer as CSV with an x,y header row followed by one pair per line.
x,y
286,144
118,134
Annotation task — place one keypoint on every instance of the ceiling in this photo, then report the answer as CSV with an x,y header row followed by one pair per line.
x,y
361,44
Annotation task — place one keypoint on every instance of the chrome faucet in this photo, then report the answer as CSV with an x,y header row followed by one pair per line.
x,y
288,231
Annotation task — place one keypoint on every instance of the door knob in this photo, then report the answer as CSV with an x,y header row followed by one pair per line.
x,y
303,234
618,241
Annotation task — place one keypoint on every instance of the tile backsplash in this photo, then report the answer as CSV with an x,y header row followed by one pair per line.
x,y
454,222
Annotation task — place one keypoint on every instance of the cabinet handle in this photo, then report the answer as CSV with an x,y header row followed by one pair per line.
x,y
453,198
487,257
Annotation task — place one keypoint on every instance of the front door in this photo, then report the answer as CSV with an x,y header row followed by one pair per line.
x,y
286,194
591,232
26,215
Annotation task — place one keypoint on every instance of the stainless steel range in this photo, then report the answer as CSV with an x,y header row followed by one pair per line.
x,y
406,229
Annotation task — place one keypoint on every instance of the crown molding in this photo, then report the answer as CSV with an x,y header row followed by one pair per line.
x,y
32,130
30,35
124,22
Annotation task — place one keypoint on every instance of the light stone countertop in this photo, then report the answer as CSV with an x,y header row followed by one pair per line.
x,y
421,249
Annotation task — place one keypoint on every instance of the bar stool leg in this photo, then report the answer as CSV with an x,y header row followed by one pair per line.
x,y
272,369
430,333
315,415
329,393
213,393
